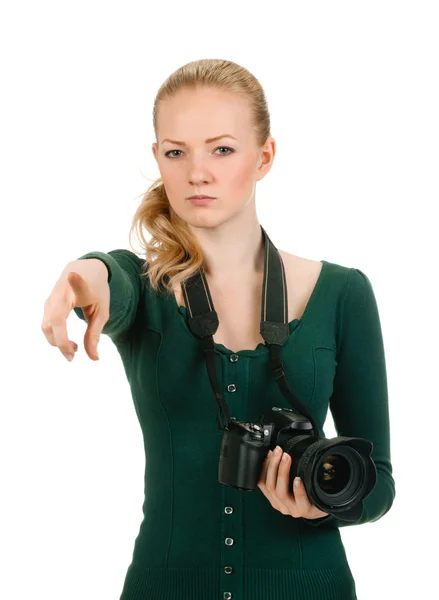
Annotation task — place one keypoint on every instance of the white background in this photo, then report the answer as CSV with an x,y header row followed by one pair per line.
x,y
353,95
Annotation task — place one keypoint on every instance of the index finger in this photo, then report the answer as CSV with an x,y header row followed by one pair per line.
x,y
59,329
264,469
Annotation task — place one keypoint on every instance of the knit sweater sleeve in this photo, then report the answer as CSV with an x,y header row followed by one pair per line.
x,y
359,403
124,268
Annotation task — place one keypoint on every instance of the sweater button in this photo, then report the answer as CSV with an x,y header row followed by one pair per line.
x,y
231,387
227,596
229,541
228,570
228,510
233,358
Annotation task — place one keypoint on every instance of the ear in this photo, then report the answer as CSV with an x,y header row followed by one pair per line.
x,y
154,150
266,158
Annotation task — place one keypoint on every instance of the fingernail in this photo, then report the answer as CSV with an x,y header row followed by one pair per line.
x,y
297,481
277,450
285,457
69,357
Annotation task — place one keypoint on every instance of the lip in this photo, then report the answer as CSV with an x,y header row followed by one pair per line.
x,y
201,200
200,196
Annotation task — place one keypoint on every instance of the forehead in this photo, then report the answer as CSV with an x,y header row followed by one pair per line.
x,y
203,113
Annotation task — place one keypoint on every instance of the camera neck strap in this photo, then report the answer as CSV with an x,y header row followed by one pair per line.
x,y
203,322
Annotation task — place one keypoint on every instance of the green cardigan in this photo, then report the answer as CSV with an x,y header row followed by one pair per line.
x,y
203,540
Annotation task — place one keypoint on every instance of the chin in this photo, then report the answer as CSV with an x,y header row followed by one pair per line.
x,y
204,221
207,217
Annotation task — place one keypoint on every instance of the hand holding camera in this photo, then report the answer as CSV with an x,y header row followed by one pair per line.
x,y
337,473
275,483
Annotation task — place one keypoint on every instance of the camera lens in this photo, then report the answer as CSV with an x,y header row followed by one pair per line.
x,y
339,475
333,474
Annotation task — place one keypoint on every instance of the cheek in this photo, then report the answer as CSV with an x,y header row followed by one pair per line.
x,y
240,177
173,179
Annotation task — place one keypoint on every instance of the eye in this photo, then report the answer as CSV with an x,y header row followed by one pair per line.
x,y
225,148
167,154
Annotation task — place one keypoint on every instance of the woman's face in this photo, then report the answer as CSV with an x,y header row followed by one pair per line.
x,y
226,168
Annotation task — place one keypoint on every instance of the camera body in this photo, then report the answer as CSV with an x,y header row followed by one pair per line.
x,y
337,473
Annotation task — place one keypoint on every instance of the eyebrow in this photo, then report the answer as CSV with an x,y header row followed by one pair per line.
x,y
208,141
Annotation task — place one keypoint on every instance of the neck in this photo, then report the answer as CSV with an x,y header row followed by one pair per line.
x,y
233,251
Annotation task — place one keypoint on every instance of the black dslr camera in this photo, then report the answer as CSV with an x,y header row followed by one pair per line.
x,y
337,473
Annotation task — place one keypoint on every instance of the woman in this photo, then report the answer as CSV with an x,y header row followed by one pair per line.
x,y
200,539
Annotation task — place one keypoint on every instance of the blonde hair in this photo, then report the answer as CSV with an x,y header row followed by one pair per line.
x,y
173,253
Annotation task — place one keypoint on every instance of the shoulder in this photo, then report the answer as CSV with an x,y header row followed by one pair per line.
x,y
350,284
301,276
299,269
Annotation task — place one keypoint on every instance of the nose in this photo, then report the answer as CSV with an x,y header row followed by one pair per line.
x,y
198,173
198,177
